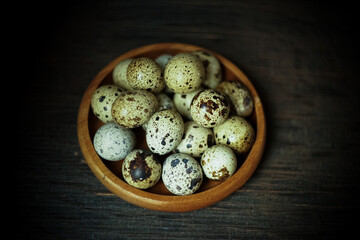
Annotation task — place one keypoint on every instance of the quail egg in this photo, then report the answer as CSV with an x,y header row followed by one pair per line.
x,y
213,72
209,108
162,60
101,101
182,102
235,132
182,174
164,131
145,74
119,74
133,108
141,169
241,100
113,142
218,162
196,139
184,73
165,102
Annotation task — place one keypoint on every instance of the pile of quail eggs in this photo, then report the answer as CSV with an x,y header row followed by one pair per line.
x,y
190,116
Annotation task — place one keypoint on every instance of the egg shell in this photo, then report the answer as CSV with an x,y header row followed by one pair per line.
x,y
102,100
241,100
162,60
213,72
165,102
113,142
184,73
237,133
134,108
196,139
182,102
119,74
141,169
145,74
182,174
164,131
218,162
209,108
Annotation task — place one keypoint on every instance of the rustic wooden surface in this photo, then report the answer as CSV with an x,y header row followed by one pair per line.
x,y
302,58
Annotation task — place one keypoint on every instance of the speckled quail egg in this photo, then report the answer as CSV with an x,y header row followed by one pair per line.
x,y
241,100
164,131
182,174
165,102
113,142
184,73
119,74
145,74
162,60
182,102
101,101
133,108
141,169
196,139
218,162
209,108
235,132
213,72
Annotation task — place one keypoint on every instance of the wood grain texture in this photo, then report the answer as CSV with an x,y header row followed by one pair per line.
x,y
302,58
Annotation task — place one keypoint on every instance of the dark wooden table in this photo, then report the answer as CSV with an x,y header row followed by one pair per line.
x,y
301,56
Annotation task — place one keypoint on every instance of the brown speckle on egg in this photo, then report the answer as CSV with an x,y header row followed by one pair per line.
x,y
209,108
141,169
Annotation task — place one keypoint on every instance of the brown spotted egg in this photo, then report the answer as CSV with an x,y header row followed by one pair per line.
x,y
196,139
113,142
119,74
141,169
134,108
145,74
181,174
101,101
164,131
182,102
209,108
235,132
184,73
218,162
213,72
241,100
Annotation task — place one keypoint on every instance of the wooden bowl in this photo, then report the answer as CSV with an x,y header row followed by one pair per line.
x,y
158,197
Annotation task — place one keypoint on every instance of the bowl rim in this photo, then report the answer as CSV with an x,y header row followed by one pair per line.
x,y
169,203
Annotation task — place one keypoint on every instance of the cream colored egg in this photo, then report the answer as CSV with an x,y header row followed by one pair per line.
x,y
113,142
145,74
164,131
241,100
184,73
218,162
182,174
196,140
213,72
102,100
182,102
119,74
134,108
237,133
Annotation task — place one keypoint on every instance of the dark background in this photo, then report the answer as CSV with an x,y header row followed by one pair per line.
x,y
301,56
